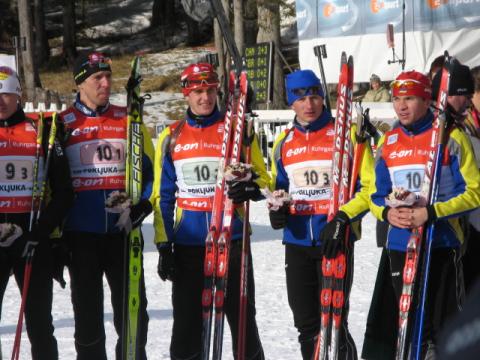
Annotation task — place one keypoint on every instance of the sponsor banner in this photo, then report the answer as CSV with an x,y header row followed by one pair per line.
x,y
330,18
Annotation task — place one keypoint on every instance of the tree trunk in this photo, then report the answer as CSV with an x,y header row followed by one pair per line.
x,y
69,32
30,71
42,49
163,14
238,24
269,30
250,22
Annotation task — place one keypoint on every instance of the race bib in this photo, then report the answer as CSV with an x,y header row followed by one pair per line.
x,y
196,177
16,182
199,173
97,164
409,177
312,177
310,180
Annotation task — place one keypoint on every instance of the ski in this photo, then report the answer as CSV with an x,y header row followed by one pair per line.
x,y
223,245
133,179
332,295
211,240
429,191
217,242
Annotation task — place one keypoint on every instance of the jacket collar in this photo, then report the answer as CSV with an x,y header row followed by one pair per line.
x,y
419,126
16,118
84,109
203,121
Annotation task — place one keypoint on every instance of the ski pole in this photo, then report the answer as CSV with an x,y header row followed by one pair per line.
x,y
320,52
245,260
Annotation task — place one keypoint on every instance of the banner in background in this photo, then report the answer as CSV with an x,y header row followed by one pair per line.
x,y
359,28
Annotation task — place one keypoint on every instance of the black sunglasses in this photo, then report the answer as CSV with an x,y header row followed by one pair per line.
x,y
305,91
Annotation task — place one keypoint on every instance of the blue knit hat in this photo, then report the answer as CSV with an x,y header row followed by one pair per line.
x,y
302,79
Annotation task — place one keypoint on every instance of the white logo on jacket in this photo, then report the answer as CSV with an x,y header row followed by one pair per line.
x,y
70,117
392,139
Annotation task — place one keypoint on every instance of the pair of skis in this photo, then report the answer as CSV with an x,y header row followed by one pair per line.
x,y
332,296
415,248
133,177
38,196
217,243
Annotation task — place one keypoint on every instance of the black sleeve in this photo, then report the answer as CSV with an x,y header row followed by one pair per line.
x,y
60,195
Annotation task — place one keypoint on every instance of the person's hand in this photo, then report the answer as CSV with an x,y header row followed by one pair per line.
x,y
61,257
240,191
134,215
407,217
166,262
31,242
278,218
333,235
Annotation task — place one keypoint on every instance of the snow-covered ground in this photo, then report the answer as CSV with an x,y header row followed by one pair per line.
x,y
274,317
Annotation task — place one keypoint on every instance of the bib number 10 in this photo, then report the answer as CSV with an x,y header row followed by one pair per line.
x,y
414,180
410,179
199,173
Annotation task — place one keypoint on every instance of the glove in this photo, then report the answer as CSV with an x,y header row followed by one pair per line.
x,y
133,216
240,191
9,233
31,242
333,235
166,262
278,218
61,258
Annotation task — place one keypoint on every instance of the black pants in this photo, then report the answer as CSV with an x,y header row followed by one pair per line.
x,y
443,292
187,304
304,274
381,330
470,260
92,256
38,308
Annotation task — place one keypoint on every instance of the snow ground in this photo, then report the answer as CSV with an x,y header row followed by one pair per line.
x,y
275,322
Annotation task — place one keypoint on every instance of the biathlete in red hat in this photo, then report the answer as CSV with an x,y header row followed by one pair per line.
x,y
399,169
186,164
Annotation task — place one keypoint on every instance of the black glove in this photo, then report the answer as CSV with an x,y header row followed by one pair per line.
x,y
61,258
278,218
240,191
31,242
139,212
166,262
333,235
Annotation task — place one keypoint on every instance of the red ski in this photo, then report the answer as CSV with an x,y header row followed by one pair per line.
x,y
332,296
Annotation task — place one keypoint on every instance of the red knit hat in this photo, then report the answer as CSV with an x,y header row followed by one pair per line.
x,y
412,83
195,76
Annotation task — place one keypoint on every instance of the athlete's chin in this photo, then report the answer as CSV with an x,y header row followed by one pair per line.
x,y
310,117
204,110
103,97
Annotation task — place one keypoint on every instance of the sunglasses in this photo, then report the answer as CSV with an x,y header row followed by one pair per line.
x,y
201,79
311,90
408,83
98,59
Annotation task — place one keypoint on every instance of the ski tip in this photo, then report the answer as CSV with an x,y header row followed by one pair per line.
x,y
135,66
350,61
344,57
